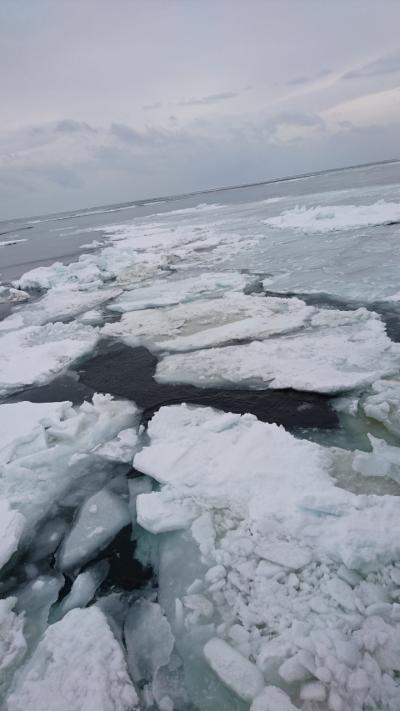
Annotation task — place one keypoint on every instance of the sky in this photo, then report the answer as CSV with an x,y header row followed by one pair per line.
x,y
106,101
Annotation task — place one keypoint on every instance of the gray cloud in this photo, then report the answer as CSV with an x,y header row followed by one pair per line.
x,y
151,107
298,81
207,100
389,64
76,121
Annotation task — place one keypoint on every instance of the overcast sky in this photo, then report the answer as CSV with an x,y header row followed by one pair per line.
x,y
107,101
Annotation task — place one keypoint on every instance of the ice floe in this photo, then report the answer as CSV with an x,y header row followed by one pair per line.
x,y
295,581
36,354
174,291
201,324
78,665
340,351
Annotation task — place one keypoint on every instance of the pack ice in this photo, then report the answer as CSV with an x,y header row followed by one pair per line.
x,y
47,450
290,592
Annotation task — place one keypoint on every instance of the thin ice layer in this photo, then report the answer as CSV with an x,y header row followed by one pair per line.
x,y
77,666
341,351
283,566
36,354
213,322
170,291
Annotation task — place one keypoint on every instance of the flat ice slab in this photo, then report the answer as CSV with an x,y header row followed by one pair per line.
x,y
174,291
340,351
201,324
77,666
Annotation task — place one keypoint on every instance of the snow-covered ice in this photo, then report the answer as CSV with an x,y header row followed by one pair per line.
x,y
340,351
36,354
77,666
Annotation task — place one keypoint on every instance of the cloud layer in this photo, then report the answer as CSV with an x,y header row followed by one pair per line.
x,y
110,102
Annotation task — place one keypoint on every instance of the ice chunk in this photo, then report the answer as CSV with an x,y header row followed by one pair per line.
x,y
35,600
137,485
36,354
172,291
342,352
383,404
77,666
289,555
93,317
23,424
233,669
157,514
384,460
202,453
98,522
272,699
47,540
149,640
12,524
83,589
122,448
